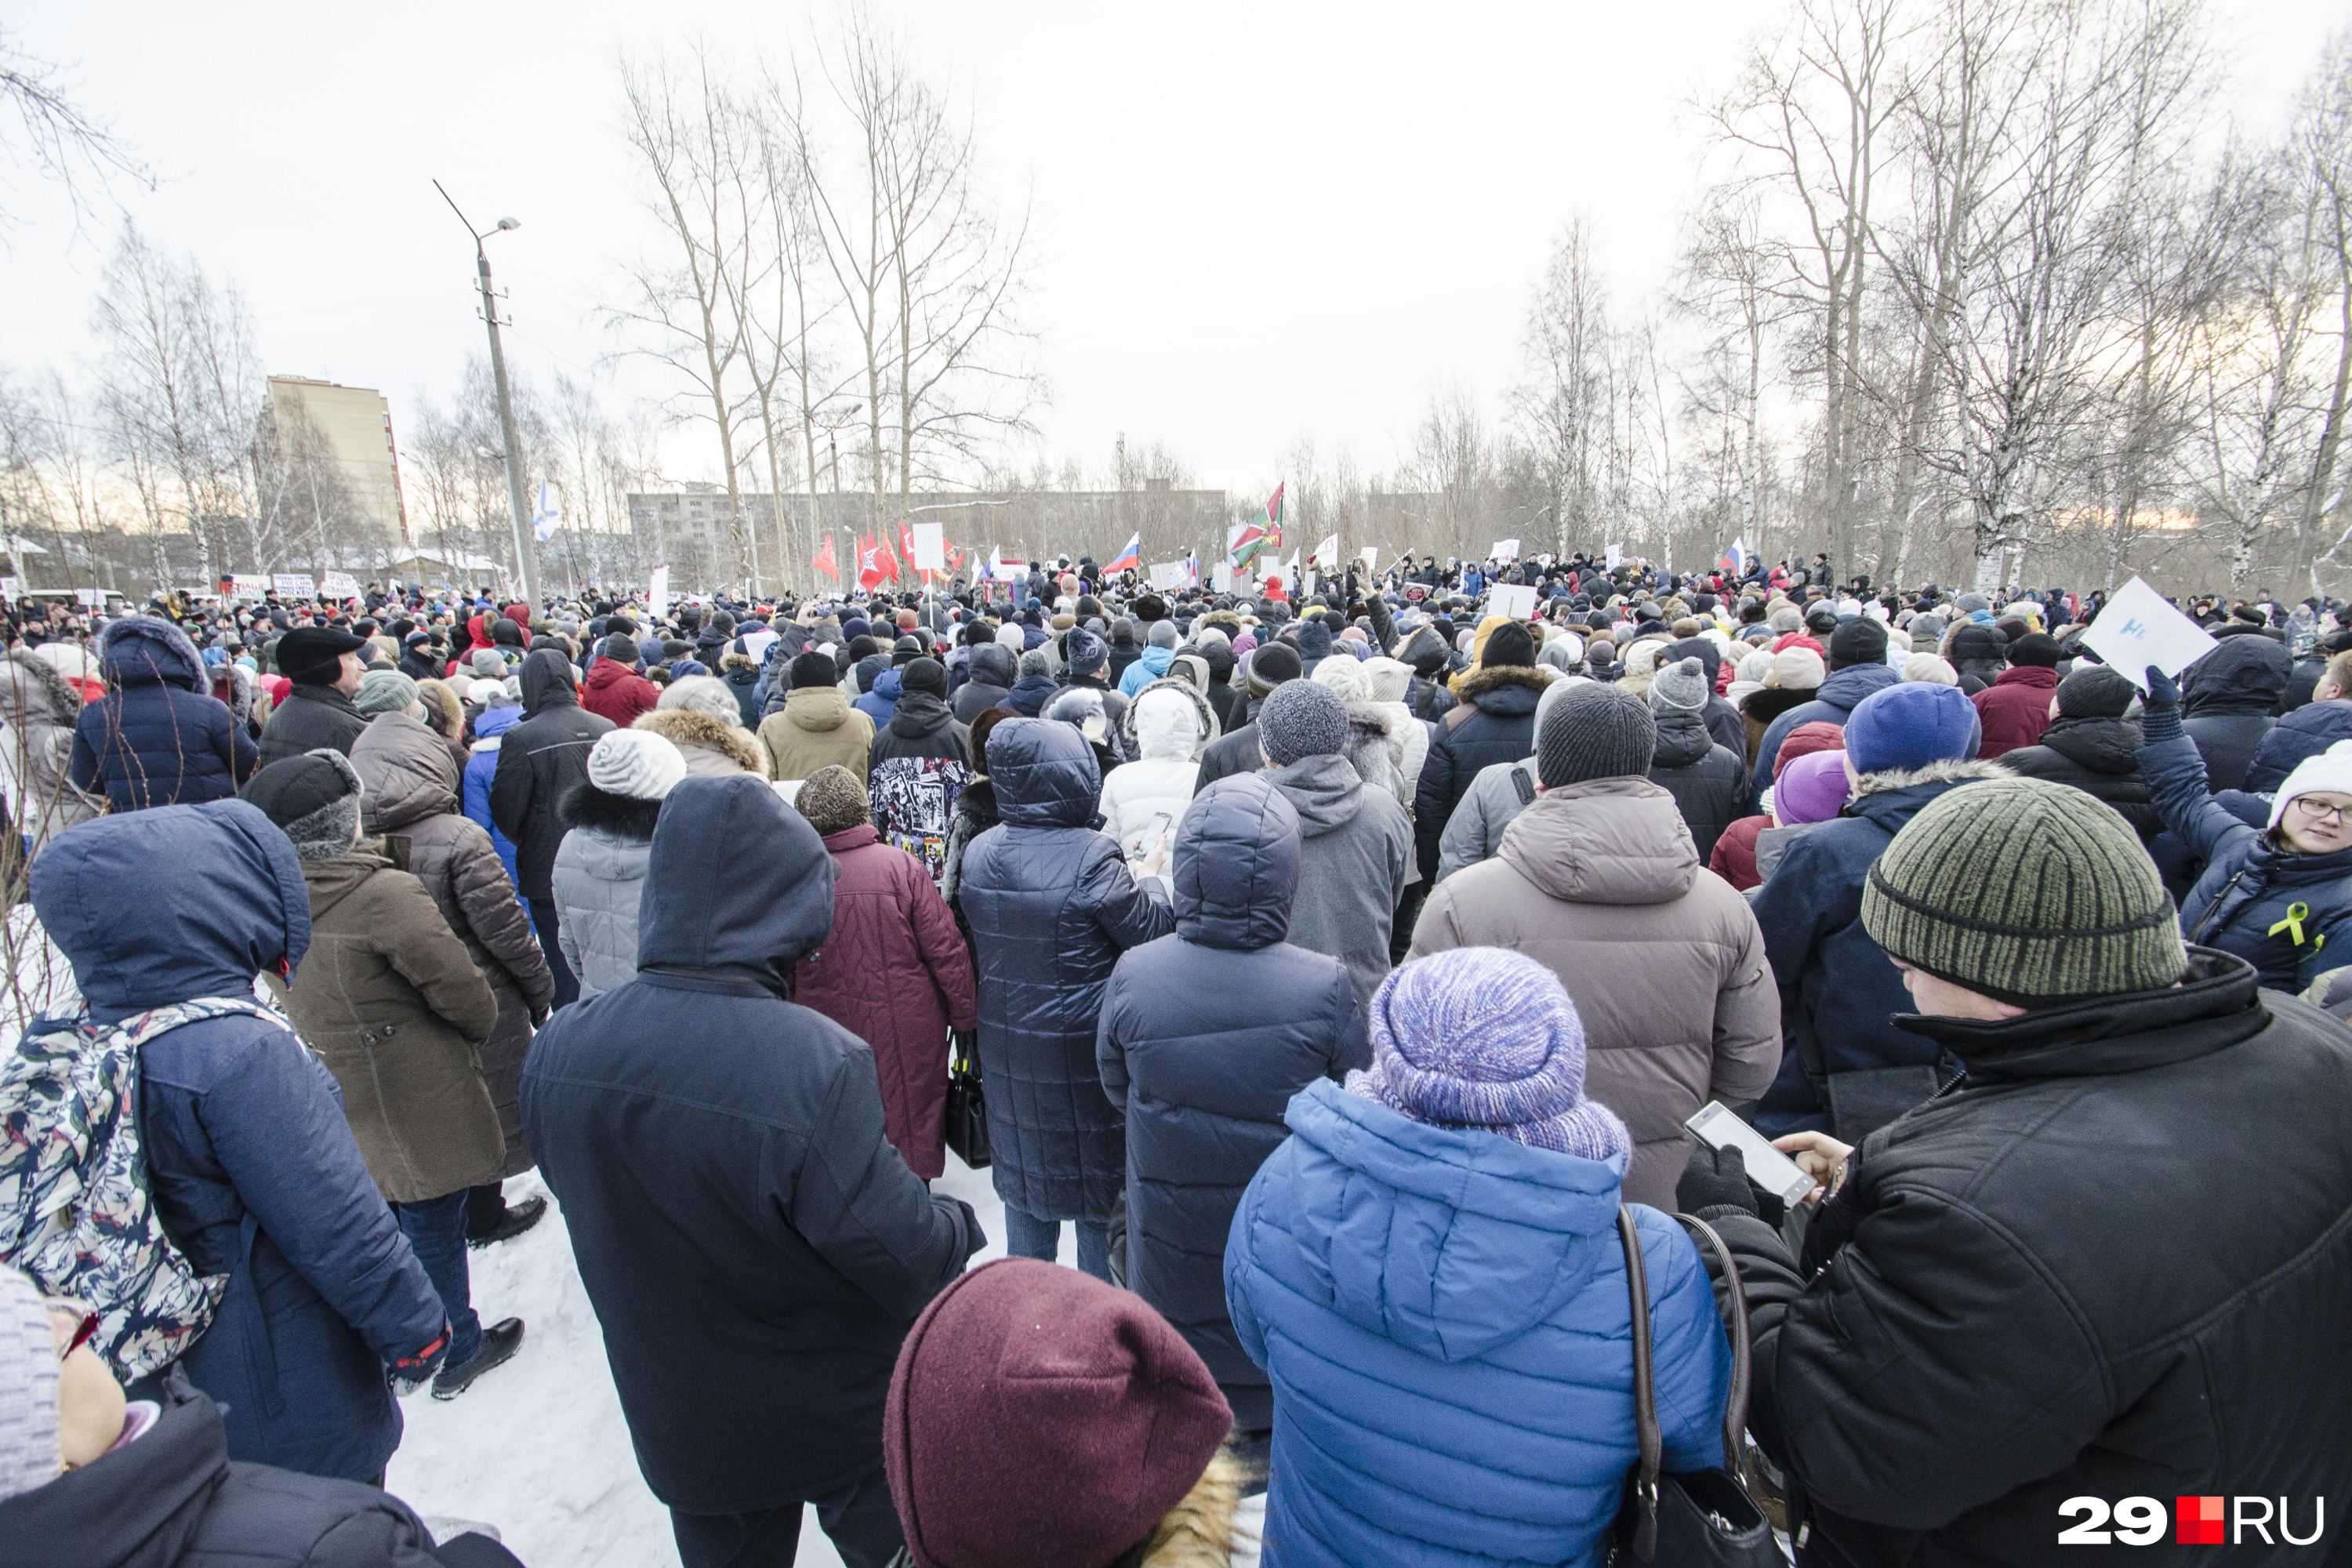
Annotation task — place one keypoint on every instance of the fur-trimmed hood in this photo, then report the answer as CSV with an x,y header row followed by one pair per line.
x,y
1491,678
34,684
622,816
148,651
1148,735
1767,703
688,729
1957,771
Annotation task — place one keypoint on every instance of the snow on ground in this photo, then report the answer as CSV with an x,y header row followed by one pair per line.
x,y
539,1447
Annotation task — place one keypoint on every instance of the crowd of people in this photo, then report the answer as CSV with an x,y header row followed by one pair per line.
x,y
1344,966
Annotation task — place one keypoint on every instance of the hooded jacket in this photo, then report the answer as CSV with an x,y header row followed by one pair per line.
x,y
1355,858
40,709
877,699
158,737
817,728
1166,727
2227,698
712,747
598,881
411,794
490,727
1494,722
1599,882
1443,1314
994,672
1230,701
740,671
1988,1330
2101,757
2014,709
253,1166
538,762
1051,905
173,1499
1707,780
1150,666
617,692
895,972
915,768
1837,697
754,1248
391,1001
1201,1067
2244,902
1846,1068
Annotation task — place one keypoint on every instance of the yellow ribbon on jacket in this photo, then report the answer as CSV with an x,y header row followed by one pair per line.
x,y
2293,925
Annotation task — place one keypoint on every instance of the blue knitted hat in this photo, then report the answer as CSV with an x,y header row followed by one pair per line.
x,y
1484,1037
1911,725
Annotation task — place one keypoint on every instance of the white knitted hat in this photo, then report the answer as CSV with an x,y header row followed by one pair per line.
x,y
30,1455
2331,771
636,762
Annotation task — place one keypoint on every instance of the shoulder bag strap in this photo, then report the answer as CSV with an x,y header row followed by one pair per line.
x,y
1735,1409
1645,1408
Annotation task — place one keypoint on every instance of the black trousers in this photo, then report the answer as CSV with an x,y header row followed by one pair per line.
x,y
567,984
859,1519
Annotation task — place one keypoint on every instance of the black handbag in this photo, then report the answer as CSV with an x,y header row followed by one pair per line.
x,y
967,1114
1696,1517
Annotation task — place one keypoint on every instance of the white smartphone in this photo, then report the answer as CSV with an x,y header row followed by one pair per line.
x,y
1767,1166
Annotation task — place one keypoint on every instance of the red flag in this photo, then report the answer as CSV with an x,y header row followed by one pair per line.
x,y
825,561
889,561
869,562
905,545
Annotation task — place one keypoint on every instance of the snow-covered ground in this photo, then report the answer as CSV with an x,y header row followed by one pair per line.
x,y
538,1448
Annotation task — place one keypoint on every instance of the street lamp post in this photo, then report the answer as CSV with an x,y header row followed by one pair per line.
x,y
526,550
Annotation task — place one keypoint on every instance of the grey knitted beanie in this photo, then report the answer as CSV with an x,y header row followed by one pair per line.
x,y
833,801
385,691
2025,890
1302,719
1036,662
1595,731
1680,687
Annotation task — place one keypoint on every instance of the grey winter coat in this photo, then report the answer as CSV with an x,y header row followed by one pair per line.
x,y
36,749
1494,801
410,797
1355,858
1600,883
599,876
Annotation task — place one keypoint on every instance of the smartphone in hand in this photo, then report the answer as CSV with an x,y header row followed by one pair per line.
x,y
1770,1169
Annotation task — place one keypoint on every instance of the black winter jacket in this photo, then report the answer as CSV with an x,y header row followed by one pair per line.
x,y
2226,702
1051,905
2023,1293
1708,779
540,761
754,1248
992,675
2099,756
1494,722
311,716
1205,1036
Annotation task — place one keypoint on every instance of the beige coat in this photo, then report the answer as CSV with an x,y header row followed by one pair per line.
x,y
817,726
1600,882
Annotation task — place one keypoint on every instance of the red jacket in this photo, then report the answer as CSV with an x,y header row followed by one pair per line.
x,y
894,972
615,691
2015,709
1733,860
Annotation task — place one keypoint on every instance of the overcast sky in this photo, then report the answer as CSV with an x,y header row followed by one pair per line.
x,y
1252,220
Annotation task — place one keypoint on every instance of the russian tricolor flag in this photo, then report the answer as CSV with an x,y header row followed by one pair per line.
x,y
1129,557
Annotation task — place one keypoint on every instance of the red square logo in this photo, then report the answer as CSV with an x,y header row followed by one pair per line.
x,y
2198,1521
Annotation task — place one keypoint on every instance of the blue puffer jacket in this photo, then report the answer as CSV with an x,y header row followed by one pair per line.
x,y
481,767
2244,903
881,700
2305,732
1838,987
1836,699
254,1171
1443,1314
1051,905
1205,1037
158,737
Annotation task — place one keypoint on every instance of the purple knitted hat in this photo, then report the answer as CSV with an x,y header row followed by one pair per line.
x,y
1811,789
1484,1037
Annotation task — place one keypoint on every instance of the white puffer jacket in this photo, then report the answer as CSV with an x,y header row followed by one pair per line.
x,y
1168,724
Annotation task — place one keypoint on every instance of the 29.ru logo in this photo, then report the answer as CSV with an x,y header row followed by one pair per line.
x,y
2196,1522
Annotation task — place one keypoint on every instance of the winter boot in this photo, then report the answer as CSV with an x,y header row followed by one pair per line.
x,y
498,1347
512,1223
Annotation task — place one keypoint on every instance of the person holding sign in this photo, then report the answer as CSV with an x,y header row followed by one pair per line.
x,y
2278,897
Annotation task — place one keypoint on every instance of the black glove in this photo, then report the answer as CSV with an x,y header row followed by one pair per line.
x,y
966,1047
1717,1178
2163,691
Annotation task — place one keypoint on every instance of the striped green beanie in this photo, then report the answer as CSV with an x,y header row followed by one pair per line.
x,y
2025,890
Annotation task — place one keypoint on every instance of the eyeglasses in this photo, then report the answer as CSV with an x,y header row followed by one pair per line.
x,y
2319,811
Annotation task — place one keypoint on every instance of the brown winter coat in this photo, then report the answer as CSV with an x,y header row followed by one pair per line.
x,y
817,728
412,793
712,747
1600,882
389,999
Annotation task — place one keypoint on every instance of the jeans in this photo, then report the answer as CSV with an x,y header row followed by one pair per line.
x,y
1026,1235
435,1229
859,1520
567,984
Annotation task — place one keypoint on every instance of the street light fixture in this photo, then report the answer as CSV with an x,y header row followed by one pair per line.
x,y
526,551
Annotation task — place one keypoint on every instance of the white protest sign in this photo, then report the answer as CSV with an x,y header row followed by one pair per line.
x,y
339,584
1513,599
1371,557
658,588
930,547
247,585
1613,558
1221,577
295,582
1505,550
2138,629
1172,574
